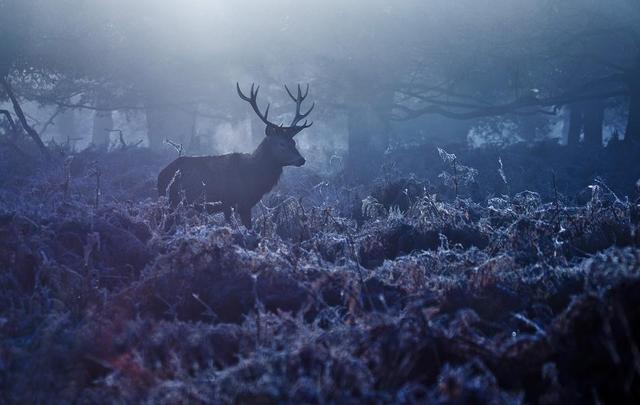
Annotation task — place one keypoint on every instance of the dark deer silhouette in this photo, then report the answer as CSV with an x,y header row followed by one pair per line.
x,y
237,180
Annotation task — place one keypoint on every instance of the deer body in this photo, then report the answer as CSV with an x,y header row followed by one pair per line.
x,y
235,180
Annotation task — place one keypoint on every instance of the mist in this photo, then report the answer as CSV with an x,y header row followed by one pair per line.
x,y
188,56
418,201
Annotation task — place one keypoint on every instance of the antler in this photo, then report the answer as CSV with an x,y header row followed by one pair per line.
x,y
253,101
298,100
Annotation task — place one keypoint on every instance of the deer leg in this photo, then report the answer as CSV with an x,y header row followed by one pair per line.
x,y
245,216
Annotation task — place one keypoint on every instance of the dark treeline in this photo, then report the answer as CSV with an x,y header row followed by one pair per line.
x,y
502,71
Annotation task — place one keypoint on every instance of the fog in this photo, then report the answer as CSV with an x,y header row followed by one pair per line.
x,y
167,69
336,201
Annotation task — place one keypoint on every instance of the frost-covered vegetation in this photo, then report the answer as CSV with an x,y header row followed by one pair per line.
x,y
392,292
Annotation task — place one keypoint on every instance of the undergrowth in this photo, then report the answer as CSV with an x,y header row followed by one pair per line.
x,y
386,294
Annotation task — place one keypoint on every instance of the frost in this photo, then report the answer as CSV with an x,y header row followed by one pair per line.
x,y
130,301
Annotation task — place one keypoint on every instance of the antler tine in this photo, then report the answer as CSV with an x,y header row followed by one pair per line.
x,y
298,100
300,97
290,94
299,117
252,100
302,116
306,92
240,94
305,125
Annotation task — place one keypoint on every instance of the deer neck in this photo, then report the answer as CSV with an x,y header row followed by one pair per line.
x,y
264,162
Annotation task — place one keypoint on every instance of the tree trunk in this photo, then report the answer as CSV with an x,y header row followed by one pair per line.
x,y
527,127
66,127
368,140
102,123
632,132
575,125
593,122
23,119
170,123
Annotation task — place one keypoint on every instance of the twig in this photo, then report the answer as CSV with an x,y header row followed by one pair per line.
x,y
50,120
178,146
355,255
555,191
603,184
503,175
97,173
455,176
530,323
68,143
123,144
209,311
67,180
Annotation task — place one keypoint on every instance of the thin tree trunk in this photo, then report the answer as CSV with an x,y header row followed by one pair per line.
x,y
169,123
102,126
527,126
23,120
66,125
632,132
102,123
368,140
593,123
575,125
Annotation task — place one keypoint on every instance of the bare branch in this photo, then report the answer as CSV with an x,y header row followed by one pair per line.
x,y
177,146
591,90
501,109
50,120
23,119
9,118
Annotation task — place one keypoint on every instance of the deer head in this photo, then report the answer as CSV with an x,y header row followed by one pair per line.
x,y
279,144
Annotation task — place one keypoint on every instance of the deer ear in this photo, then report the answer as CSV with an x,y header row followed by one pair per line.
x,y
270,130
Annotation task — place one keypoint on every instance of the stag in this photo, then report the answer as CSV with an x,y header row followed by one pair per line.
x,y
237,180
